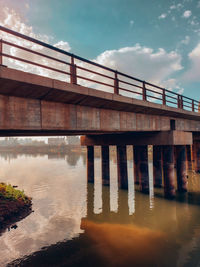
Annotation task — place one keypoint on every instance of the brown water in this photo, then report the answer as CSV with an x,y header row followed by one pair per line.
x,y
80,224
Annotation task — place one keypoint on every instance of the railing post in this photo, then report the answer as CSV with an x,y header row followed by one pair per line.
x,y
116,84
144,92
164,97
73,76
1,51
179,101
193,106
181,97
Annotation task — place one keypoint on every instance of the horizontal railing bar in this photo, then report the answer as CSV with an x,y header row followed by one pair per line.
x,y
155,92
162,88
133,92
135,85
172,97
186,106
151,96
36,53
168,101
190,99
95,72
36,64
185,101
90,80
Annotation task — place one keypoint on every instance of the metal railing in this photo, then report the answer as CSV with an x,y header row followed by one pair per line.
x,y
85,72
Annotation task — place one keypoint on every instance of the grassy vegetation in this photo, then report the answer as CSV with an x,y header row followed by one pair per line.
x,y
9,192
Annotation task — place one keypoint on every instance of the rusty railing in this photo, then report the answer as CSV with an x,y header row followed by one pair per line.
x,y
85,72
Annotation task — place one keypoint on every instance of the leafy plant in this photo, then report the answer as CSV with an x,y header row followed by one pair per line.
x,y
9,192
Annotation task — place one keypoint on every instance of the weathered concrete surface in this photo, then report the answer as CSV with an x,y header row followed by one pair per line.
x,y
35,105
141,138
168,171
181,168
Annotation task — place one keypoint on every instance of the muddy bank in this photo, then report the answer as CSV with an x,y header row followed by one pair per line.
x,y
14,206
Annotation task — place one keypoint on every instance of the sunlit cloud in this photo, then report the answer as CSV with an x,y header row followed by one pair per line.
x,y
193,73
178,6
9,18
186,40
162,16
187,14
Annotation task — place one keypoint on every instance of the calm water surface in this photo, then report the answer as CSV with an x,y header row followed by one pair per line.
x,y
80,224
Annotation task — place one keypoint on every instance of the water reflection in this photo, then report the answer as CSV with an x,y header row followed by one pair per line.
x,y
82,224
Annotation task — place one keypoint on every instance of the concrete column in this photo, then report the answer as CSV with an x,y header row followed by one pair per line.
x,y
193,157
136,165
122,167
157,166
105,165
143,168
197,156
168,171
188,156
181,168
90,164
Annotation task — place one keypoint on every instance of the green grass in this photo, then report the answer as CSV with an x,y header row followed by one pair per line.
x,y
8,192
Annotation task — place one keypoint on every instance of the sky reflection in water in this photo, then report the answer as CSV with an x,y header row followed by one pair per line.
x,y
115,228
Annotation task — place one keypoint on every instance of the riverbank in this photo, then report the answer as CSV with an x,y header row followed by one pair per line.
x,y
14,206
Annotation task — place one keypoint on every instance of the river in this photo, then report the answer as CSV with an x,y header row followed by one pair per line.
x,y
74,223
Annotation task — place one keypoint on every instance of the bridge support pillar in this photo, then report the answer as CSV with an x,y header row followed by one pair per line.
x,y
122,167
143,168
90,164
168,170
157,166
181,168
188,156
105,165
136,164
197,156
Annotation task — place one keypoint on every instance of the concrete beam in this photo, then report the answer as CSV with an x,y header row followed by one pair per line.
x,y
142,138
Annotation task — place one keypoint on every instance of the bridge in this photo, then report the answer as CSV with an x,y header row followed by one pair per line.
x,y
47,91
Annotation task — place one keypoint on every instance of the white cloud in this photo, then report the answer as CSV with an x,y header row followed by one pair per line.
x,y
194,22
173,7
9,18
198,4
63,45
178,6
186,40
162,16
193,73
187,14
131,22
142,62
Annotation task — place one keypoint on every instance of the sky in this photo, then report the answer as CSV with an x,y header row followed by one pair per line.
x,y
157,41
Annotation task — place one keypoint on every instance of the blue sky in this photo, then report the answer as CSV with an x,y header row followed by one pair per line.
x,y
156,40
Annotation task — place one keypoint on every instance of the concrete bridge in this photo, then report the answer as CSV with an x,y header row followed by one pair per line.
x,y
133,112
